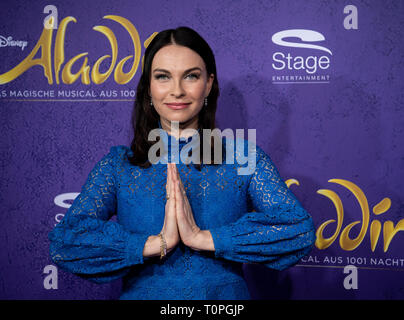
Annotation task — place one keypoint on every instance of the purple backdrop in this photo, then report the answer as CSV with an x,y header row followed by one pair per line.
x,y
342,120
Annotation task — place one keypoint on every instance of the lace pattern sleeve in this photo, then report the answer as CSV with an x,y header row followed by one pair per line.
x,y
277,233
85,242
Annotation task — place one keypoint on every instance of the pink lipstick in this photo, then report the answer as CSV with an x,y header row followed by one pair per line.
x,y
177,106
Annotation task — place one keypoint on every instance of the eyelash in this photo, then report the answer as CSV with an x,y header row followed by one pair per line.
x,y
159,76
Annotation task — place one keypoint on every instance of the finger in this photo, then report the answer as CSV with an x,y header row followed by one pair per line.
x,y
169,191
172,196
174,179
182,191
168,178
174,172
178,197
177,174
171,200
171,184
177,180
180,210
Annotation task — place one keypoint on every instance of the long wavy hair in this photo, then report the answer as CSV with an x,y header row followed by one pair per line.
x,y
145,117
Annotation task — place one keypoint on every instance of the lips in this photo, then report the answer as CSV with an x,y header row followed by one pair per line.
x,y
177,106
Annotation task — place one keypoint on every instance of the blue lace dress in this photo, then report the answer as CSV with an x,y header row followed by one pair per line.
x,y
253,218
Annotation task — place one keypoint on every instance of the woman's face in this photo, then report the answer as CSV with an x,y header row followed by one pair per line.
x,y
178,75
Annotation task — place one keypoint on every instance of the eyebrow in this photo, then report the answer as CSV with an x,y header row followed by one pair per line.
x,y
186,71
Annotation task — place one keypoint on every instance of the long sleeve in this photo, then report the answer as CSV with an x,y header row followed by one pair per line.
x,y
277,233
85,242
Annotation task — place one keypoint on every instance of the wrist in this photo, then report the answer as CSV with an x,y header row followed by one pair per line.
x,y
170,243
152,246
203,241
163,246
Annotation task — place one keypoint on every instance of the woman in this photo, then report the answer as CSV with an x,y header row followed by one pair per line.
x,y
182,231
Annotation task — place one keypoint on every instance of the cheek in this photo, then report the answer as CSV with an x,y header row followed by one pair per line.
x,y
196,90
158,89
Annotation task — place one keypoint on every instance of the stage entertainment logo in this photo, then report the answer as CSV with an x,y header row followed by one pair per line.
x,y
305,63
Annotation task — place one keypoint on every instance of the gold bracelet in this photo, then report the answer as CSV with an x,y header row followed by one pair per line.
x,y
163,246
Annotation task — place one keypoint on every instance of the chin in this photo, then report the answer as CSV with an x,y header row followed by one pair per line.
x,y
179,117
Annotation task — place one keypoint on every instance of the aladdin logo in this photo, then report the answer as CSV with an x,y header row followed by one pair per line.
x,y
310,64
9,42
388,229
55,67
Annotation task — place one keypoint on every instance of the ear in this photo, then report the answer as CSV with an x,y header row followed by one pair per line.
x,y
209,84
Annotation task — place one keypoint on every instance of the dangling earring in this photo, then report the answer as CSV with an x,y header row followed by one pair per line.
x,y
206,101
151,103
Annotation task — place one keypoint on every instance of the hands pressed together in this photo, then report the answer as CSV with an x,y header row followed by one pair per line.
x,y
179,222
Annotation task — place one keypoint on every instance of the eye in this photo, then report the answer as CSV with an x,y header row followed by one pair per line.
x,y
164,76
159,76
194,75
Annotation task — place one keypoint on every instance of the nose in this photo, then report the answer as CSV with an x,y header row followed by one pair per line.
x,y
178,90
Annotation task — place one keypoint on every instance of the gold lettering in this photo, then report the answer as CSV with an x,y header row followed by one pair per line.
x,y
45,42
375,228
289,182
119,76
389,231
68,77
321,242
96,76
59,57
382,206
345,241
146,44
